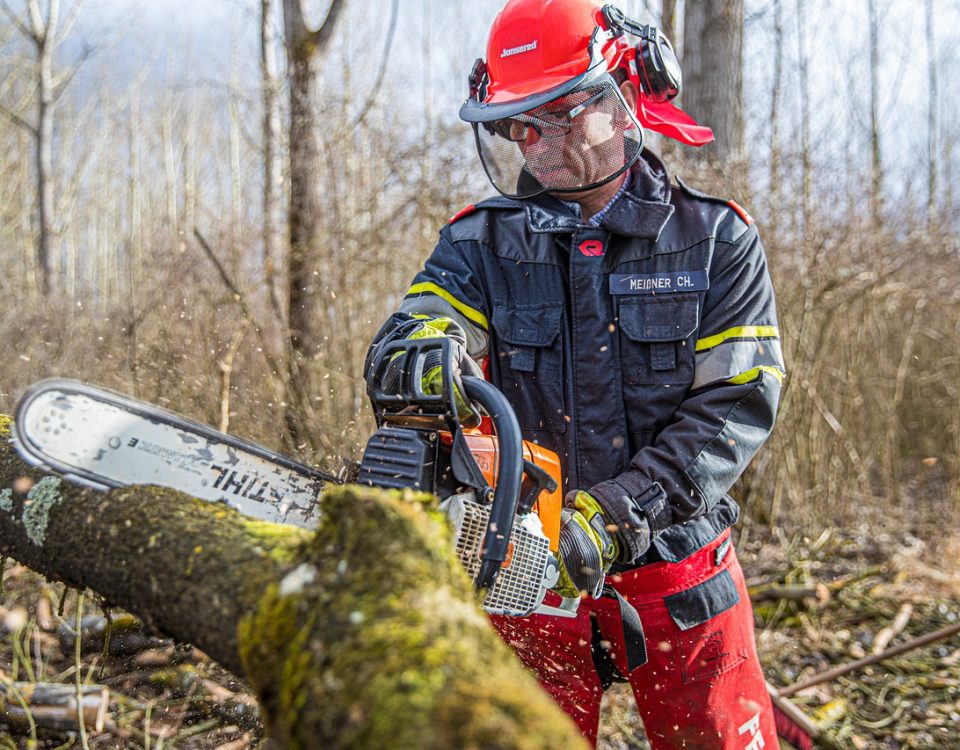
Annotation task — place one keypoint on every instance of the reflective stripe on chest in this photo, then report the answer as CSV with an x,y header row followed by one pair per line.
x,y
659,283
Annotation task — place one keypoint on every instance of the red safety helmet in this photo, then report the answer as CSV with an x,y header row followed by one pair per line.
x,y
539,50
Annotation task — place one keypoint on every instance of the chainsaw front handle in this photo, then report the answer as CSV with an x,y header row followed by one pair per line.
x,y
496,540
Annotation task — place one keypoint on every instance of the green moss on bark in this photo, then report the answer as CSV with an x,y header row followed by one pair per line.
x,y
387,648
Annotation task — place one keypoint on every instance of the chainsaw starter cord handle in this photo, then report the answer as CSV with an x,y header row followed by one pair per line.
x,y
496,539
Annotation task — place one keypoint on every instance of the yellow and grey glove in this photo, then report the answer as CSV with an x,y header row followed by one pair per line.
x,y
463,364
588,546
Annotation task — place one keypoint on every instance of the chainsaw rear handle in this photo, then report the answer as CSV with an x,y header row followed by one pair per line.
x,y
496,539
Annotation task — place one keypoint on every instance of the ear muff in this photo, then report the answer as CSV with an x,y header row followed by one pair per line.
x,y
657,66
477,80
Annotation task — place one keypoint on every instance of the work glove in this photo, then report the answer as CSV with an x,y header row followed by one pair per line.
x,y
588,546
432,380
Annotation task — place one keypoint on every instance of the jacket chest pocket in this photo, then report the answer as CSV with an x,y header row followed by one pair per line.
x,y
529,348
657,338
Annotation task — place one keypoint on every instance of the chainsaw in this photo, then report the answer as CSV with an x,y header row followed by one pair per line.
x,y
501,493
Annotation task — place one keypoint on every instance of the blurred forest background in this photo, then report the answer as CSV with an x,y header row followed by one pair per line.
x,y
213,205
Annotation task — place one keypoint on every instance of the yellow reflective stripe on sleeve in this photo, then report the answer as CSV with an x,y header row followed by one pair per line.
x,y
746,377
470,313
743,332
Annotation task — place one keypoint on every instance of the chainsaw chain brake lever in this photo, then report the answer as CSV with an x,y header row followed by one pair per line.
x,y
395,384
535,481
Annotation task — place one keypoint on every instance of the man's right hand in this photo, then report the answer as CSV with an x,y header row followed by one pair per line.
x,y
432,379
462,363
587,547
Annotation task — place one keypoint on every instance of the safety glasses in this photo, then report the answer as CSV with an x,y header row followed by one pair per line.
x,y
551,121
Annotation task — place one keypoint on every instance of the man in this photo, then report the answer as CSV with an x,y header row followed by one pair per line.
x,y
631,324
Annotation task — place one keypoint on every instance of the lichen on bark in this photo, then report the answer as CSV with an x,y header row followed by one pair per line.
x,y
41,498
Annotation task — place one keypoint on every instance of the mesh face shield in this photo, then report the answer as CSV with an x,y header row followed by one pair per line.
x,y
575,142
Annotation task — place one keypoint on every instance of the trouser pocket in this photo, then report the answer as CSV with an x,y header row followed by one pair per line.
x,y
711,638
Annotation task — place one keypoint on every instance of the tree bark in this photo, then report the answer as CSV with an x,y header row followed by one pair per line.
x,y
362,634
713,73
876,162
775,161
304,48
42,33
933,107
806,169
272,176
45,33
668,21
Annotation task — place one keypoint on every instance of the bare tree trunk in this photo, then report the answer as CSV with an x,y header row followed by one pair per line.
x,y
364,634
671,151
805,166
933,104
775,162
28,247
271,153
169,162
713,73
236,178
135,202
305,46
876,163
668,20
190,177
43,32
43,36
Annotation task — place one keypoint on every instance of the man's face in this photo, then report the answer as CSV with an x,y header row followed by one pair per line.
x,y
568,145
573,141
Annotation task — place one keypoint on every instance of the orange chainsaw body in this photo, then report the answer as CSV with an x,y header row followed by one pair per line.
x,y
486,452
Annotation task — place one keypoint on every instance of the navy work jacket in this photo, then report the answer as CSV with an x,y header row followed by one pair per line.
x,y
644,351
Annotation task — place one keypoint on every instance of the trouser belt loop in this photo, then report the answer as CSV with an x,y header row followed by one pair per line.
x,y
633,640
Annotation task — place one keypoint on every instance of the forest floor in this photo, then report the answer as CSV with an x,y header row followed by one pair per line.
x,y
818,603
824,602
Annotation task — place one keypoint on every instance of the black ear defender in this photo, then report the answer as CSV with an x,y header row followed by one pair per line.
x,y
477,80
657,66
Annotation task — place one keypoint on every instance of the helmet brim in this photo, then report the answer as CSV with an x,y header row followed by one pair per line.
x,y
508,103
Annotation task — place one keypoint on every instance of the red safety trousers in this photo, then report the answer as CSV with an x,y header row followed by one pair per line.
x,y
702,688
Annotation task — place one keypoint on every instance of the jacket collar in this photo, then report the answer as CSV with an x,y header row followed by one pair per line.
x,y
642,211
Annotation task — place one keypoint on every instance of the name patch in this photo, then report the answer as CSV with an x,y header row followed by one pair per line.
x,y
659,283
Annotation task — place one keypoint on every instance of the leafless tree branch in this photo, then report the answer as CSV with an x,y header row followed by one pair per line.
x,y
17,119
15,19
384,59
321,36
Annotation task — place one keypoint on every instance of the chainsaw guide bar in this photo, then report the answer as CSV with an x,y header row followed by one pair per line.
x,y
101,439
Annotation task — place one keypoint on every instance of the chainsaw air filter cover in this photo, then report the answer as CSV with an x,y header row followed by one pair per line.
x,y
528,570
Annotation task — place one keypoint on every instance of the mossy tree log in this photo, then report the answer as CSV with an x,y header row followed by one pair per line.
x,y
364,634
